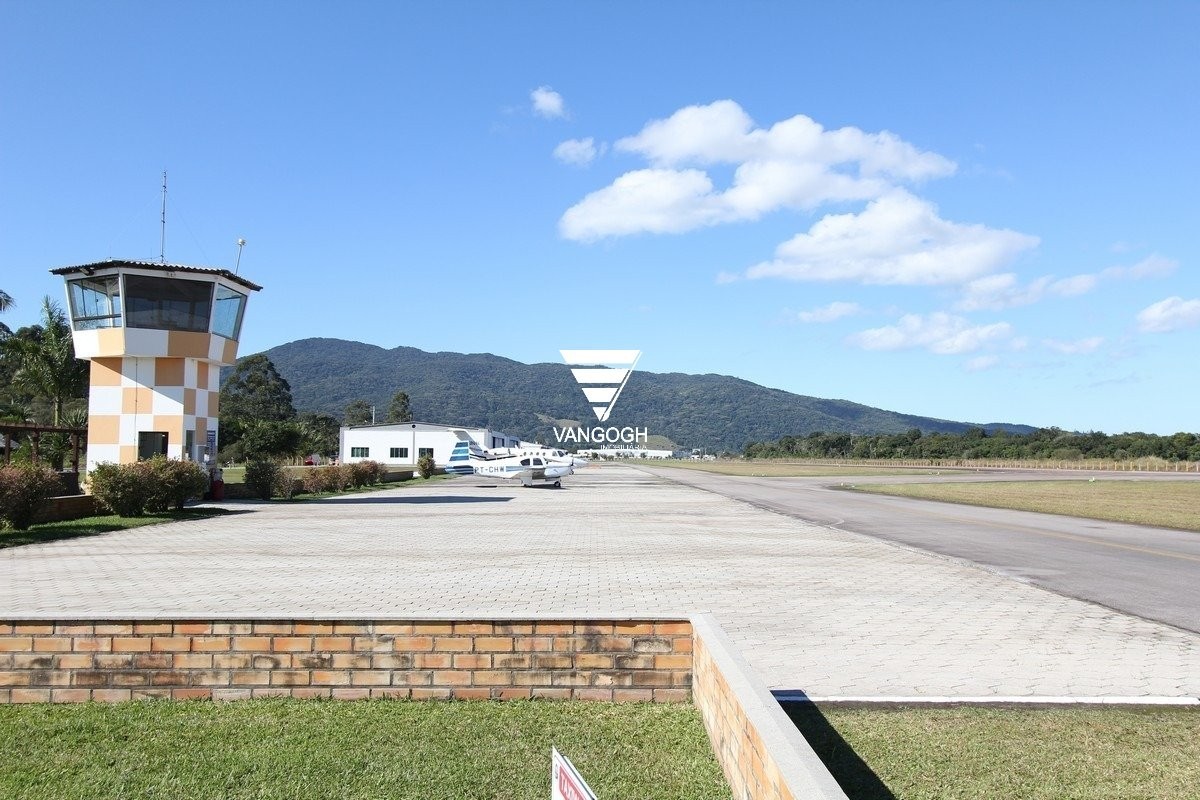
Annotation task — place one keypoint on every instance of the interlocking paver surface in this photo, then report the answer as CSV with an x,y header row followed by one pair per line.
x,y
813,609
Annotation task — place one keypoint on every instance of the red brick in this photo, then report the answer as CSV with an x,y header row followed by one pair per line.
x,y
350,694
472,661
351,661
491,677
370,678
451,677
554,627
651,678
193,661
548,693
390,692
517,628
92,644
260,661
137,660
513,693
351,628
472,693
232,660
394,628
494,644
51,644
332,644
126,678
211,677
292,644
141,628
640,661
75,661
143,693
412,678
16,644
289,677
208,644
282,628
74,628
138,644
191,628
672,696
21,678
593,661
311,692
276,691
250,677
508,661
29,696
455,644
168,678
595,628
111,695
565,679
430,693
32,628
473,627
411,644
594,694
431,628
533,678
526,644
379,644
392,661
191,694
113,628
312,660
551,661
630,627
314,628
432,660
87,677
633,695
673,628
170,644
232,628
259,644
69,695
682,644
231,694
328,677
673,662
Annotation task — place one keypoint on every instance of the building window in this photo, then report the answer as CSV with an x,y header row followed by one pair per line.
x,y
425,451
360,452
172,304
227,312
398,452
95,303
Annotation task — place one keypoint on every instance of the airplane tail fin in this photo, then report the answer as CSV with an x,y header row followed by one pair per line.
x,y
464,450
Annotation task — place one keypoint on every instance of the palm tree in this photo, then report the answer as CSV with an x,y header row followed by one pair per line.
x,y
6,302
47,366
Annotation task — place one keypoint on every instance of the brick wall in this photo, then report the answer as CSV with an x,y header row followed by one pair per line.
x,y
79,660
763,755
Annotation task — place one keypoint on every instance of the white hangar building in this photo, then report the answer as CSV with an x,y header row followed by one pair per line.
x,y
405,442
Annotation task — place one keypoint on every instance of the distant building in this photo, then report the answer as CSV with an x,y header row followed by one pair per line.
x,y
405,442
626,452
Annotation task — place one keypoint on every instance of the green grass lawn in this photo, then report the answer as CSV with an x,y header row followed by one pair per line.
x,y
1027,753
91,526
337,749
776,469
1168,504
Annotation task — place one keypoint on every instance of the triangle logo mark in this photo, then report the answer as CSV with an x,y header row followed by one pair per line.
x,y
602,374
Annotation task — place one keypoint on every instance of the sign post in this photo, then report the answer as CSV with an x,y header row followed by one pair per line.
x,y
565,781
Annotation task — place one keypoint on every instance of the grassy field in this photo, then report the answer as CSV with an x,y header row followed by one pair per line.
x,y
1168,504
91,526
372,749
1042,753
778,469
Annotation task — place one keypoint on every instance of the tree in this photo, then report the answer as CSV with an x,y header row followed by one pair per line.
x,y
6,302
256,391
358,413
46,365
319,434
270,439
399,410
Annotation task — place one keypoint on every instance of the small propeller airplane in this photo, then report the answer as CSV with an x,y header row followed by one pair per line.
x,y
468,458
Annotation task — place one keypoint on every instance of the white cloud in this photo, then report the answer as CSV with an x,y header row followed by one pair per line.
x,y
547,103
1000,291
1171,314
897,239
1075,348
980,363
939,333
579,152
829,313
1153,266
794,164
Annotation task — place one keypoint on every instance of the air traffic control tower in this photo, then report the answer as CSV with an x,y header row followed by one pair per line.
x,y
157,336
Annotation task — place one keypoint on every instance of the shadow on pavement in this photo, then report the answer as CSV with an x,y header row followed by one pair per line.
x,y
857,779
425,500
92,526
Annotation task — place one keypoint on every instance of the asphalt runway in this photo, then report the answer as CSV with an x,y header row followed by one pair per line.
x,y
1152,573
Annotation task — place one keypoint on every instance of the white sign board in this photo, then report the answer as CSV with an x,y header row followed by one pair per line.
x,y
565,781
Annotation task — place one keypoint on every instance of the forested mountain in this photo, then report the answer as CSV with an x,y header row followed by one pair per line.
x,y
717,412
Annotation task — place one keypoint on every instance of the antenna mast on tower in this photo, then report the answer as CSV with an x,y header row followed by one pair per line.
x,y
162,239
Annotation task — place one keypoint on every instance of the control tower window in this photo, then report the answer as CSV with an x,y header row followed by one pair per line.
x,y
95,303
171,304
227,312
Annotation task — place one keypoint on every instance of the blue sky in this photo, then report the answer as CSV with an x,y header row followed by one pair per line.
x,y
981,212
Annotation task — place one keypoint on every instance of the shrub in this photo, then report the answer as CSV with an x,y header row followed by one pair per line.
x,y
24,489
380,471
124,489
172,482
365,473
339,477
261,477
286,485
317,480
426,466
